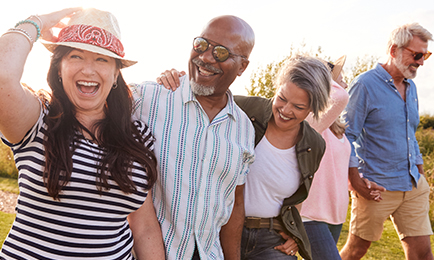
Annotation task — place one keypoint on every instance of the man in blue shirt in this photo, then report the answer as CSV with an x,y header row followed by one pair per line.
x,y
382,116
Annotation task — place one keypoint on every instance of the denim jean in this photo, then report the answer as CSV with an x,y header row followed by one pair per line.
x,y
259,243
323,238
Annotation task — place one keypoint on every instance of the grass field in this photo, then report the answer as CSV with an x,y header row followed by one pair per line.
x,y
387,248
6,221
9,185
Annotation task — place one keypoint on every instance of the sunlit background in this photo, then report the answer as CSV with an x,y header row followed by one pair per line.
x,y
159,34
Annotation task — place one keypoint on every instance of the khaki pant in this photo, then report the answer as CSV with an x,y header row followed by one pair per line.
x,y
407,210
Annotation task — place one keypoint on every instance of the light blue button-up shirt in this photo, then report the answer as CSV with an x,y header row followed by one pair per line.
x,y
381,129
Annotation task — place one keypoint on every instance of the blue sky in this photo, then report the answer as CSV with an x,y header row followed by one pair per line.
x,y
159,34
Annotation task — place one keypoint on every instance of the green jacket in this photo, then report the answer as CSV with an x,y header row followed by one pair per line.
x,y
309,149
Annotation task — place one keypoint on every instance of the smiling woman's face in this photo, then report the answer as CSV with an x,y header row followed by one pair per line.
x,y
87,79
290,106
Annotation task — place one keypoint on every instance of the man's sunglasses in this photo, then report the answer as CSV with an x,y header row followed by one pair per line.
x,y
418,55
219,52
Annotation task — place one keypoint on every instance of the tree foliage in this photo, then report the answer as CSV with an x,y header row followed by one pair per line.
x,y
363,64
261,81
426,121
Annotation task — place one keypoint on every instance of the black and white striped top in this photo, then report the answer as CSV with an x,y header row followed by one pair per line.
x,y
84,224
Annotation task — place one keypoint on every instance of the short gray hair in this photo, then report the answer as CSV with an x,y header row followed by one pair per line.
x,y
311,75
402,35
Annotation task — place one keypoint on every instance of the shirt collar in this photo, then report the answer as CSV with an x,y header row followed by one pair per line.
x,y
384,75
188,96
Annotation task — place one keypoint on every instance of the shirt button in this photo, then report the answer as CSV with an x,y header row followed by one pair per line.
x,y
409,155
253,119
309,149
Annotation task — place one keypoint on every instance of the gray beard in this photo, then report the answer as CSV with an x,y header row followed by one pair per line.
x,y
201,90
403,69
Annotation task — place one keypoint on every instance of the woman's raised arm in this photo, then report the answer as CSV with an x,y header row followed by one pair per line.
x,y
338,101
19,107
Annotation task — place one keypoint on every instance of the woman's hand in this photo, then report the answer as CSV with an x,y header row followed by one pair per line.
x,y
19,107
289,247
365,188
375,189
170,79
53,20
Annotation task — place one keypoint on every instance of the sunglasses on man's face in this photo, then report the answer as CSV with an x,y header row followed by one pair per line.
x,y
418,55
219,52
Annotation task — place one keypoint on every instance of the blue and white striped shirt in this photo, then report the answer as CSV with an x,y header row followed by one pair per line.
x,y
200,165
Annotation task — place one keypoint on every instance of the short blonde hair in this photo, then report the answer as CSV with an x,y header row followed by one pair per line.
x,y
402,35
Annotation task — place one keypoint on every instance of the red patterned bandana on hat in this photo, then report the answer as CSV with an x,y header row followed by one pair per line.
x,y
92,35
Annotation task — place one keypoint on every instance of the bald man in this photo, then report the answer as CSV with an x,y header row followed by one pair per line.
x,y
204,145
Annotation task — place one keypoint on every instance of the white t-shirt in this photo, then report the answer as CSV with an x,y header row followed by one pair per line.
x,y
273,177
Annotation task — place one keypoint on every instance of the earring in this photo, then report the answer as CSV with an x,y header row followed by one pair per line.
x,y
60,79
115,85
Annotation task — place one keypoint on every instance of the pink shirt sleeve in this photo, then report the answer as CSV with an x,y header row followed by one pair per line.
x,y
337,103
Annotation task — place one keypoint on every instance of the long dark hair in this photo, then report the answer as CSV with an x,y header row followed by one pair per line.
x,y
121,140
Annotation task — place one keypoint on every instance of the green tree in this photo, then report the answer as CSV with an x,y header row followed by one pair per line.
x,y
426,121
363,64
261,81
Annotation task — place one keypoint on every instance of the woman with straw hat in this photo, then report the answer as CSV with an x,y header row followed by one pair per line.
x,y
325,209
85,166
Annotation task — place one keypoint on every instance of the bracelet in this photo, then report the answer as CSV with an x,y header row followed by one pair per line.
x,y
39,19
38,29
22,32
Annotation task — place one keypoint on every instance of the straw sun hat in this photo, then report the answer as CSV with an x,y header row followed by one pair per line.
x,y
337,67
95,31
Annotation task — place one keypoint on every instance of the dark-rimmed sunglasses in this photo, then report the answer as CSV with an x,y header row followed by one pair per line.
x,y
219,52
418,55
